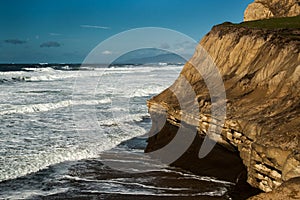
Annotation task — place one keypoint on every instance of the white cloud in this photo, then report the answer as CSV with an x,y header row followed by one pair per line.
x,y
54,34
92,26
180,50
107,52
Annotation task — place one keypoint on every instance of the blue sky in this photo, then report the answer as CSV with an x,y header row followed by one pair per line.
x,y
65,31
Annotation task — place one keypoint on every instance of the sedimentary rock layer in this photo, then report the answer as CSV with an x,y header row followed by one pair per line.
x,y
288,190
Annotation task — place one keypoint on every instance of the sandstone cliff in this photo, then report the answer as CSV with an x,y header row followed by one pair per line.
x,y
264,9
260,67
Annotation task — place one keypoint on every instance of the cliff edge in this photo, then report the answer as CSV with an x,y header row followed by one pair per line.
x,y
260,66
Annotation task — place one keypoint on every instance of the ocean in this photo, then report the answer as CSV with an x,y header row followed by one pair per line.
x,y
67,131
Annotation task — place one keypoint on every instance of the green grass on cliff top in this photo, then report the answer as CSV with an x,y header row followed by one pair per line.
x,y
274,23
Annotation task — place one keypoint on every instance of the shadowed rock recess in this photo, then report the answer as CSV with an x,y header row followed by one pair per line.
x,y
260,67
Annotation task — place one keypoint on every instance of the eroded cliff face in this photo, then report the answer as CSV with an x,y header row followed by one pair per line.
x,y
264,9
261,73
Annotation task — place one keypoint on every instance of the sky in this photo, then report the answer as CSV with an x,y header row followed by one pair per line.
x,y
66,31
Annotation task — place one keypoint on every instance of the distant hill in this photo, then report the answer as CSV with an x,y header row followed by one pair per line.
x,y
164,58
148,56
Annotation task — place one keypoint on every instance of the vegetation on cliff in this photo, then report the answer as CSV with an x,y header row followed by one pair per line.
x,y
274,23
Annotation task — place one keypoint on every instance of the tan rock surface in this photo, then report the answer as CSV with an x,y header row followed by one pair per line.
x,y
289,190
264,9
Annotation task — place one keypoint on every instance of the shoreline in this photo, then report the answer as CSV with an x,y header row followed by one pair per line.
x,y
220,162
92,178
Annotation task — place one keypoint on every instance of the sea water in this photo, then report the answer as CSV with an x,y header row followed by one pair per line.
x,y
47,151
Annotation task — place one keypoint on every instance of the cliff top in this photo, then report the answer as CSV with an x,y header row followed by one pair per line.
x,y
274,23
286,27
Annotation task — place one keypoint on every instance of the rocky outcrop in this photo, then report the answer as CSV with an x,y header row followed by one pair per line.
x,y
261,73
264,9
287,191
